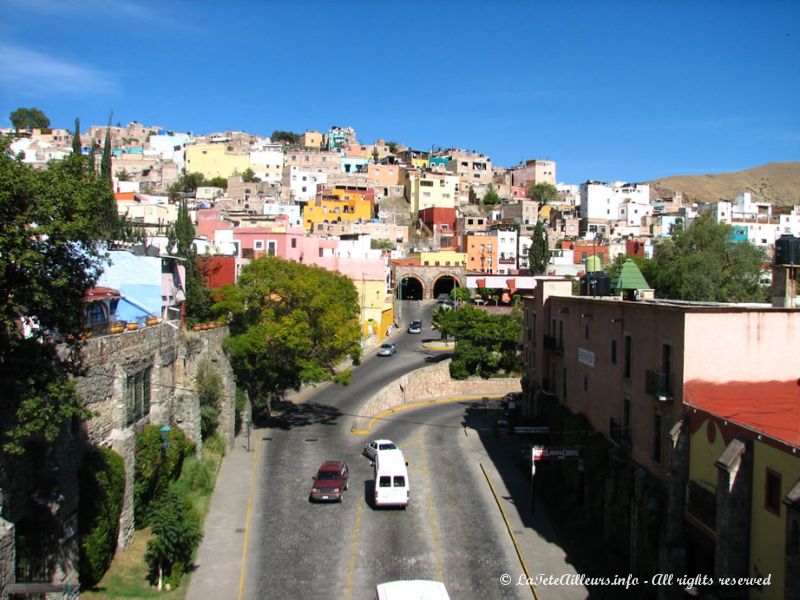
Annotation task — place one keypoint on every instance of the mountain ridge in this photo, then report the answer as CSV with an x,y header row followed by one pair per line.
x,y
776,182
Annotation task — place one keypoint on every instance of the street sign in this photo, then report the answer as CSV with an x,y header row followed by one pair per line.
x,y
543,429
536,453
557,453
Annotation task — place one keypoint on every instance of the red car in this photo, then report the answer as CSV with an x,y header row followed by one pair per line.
x,y
330,482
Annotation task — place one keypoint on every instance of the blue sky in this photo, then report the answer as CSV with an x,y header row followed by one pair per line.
x,y
630,90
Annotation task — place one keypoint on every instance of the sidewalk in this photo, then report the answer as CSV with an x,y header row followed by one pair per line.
x,y
219,559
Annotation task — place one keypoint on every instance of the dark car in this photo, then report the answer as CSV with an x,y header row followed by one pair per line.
x,y
415,327
442,298
330,482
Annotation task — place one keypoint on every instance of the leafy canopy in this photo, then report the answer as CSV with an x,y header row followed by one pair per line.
x,y
703,262
542,193
50,255
290,324
485,343
29,118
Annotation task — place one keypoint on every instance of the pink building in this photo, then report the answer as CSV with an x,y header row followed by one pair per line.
x,y
630,368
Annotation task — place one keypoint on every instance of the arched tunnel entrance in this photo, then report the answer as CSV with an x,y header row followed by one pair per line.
x,y
444,285
410,288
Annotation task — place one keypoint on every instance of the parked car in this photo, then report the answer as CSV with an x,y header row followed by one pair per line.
x,y
387,349
330,482
375,446
442,298
415,327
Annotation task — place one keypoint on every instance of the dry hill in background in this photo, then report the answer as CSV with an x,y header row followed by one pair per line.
x,y
777,182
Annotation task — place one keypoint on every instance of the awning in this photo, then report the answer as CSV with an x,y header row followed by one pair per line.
x,y
101,293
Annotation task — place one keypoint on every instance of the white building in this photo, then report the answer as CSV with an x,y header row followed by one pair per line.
x,y
790,223
602,201
267,162
507,248
290,210
303,184
170,146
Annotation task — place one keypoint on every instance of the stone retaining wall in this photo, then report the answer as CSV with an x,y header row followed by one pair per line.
x,y
432,383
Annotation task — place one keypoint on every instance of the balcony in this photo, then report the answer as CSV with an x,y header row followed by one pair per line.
x,y
702,504
553,344
658,385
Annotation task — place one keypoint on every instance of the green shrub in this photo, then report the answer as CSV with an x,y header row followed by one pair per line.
x,y
197,475
216,444
176,534
209,385
102,487
156,467
240,405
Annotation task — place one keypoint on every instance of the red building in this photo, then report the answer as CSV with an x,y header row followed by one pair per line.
x,y
217,271
439,220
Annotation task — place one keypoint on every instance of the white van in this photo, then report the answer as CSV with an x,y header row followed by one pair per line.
x,y
422,589
392,487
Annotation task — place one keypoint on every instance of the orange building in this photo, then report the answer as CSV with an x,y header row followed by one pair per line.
x,y
481,251
341,203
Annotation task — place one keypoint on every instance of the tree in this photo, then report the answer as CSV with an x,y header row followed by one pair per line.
x,y
105,161
392,145
289,324
486,343
285,136
123,175
176,534
249,176
539,251
491,198
704,263
378,244
29,118
181,237
542,193
220,182
186,183
76,137
50,255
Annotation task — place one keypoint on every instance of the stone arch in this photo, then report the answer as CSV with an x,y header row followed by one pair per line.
x,y
411,288
444,284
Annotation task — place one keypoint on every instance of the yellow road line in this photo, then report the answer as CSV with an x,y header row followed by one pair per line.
x,y
511,533
348,590
247,518
413,405
437,552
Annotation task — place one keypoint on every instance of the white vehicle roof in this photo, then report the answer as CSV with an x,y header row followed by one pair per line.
x,y
390,460
412,589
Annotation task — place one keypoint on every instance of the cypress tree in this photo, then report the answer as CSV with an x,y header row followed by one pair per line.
x,y
76,137
105,162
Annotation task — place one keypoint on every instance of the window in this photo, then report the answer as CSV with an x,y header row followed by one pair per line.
x,y
272,247
586,332
258,245
137,396
626,419
627,350
772,492
385,481
657,433
294,242
399,481
613,352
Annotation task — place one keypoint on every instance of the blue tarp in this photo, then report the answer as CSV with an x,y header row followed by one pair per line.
x,y
138,278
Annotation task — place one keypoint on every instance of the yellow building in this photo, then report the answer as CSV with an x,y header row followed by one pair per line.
x,y
442,258
430,190
311,139
335,208
743,490
214,160
377,314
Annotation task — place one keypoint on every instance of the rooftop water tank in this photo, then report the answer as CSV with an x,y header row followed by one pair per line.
x,y
787,250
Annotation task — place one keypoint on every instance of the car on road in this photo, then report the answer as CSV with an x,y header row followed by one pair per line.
x,y
415,327
442,298
330,482
418,589
371,450
387,349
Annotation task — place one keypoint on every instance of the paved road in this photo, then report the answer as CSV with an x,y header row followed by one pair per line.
x,y
452,531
